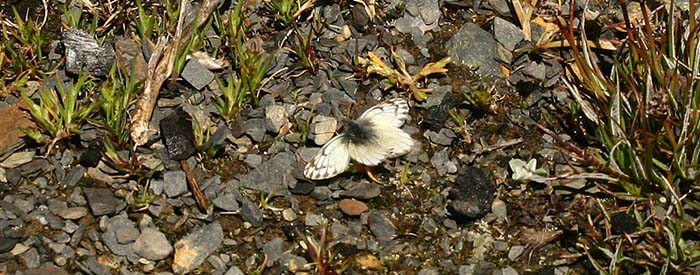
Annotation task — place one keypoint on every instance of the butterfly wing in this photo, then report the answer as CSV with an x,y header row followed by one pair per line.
x,y
332,160
388,140
393,112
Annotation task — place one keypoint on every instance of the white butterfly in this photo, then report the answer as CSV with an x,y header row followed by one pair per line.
x,y
370,139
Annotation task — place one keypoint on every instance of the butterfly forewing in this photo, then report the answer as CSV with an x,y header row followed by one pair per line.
x,y
392,112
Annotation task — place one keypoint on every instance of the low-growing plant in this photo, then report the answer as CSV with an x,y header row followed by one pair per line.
x,y
61,114
250,62
481,96
118,94
321,252
304,52
287,11
23,46
401,78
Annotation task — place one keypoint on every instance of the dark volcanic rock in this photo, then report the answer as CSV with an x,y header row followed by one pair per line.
x,y
622,222
83,53
91,156
472,195
176,132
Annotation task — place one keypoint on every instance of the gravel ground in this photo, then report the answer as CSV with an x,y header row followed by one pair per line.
x,y
449,206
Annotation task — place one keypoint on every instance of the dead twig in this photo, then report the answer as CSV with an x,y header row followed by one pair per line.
x,y
160,67
201,199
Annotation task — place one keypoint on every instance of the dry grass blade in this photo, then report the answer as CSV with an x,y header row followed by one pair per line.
x,y
160,67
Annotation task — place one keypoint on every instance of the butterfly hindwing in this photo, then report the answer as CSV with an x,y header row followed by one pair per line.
x,y
332,160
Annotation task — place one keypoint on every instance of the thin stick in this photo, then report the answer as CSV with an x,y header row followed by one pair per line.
x,y
201,199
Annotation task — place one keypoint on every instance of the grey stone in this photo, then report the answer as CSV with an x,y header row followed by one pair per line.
x,y
508,34
227,202
101,201
216,262
273,250
192,250
234,270
76,197
255,128
126,234
313,219
152,244
96,267
73,213
174,183
323,128
275,118
273,175
56,205
253,160
406,56
156,186
74,175
251,213
509,270
196,74
109,237
17,159
31,258
442,163
515,252
321,193
428,271
473,46
380,225
362,190
25,206
45,270
444,137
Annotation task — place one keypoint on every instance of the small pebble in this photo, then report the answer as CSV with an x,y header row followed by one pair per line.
x,y
352,207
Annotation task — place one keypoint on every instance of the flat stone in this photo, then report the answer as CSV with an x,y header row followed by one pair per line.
x,y
273,250
473,46
45,270
362,190
251,213
152,244
17,159
352,207
381,226
126,234
73,213
174,183
101,201
192,250
275,118
273,175
507,33
323,128
196,74
255,128
74,175
227,202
